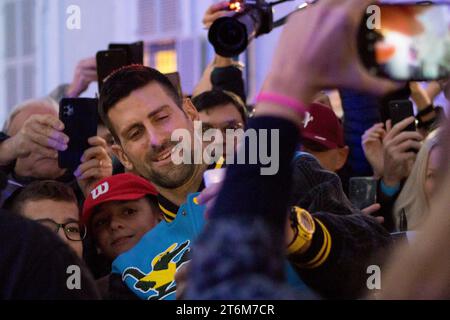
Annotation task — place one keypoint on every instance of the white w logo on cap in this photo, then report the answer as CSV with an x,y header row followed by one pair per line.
x,y
101,189
308,118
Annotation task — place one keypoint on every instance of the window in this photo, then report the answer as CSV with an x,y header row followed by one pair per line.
x,y
19,73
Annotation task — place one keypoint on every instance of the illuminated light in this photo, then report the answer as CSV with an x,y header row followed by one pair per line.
x,y
235,6
166,61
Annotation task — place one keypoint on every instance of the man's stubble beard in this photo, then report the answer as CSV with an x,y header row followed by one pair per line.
x,y
169,177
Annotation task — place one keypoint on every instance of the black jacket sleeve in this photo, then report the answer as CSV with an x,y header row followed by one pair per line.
x,y
355,242
229,79
351,239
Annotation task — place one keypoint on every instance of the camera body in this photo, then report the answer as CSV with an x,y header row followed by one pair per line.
x,y
230,36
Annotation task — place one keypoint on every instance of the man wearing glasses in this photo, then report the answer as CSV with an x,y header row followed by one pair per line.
x,y
221,110
55,206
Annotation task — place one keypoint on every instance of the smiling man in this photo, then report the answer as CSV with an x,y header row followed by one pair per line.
x,y
141,108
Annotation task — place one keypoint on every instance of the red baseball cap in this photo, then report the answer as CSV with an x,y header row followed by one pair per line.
x,y
125,187
322,127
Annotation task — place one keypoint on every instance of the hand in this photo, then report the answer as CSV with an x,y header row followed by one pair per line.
x,y
216,11
308,42
41,134
372,144
289,232
396,149
208,197
95,165
373,209
85,73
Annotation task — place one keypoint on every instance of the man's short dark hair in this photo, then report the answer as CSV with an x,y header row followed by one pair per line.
x,y
44,190
215,98
125,80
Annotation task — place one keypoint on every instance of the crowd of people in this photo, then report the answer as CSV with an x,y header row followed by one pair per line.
x,y
140,226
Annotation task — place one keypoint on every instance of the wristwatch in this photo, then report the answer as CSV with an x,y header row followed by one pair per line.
x,y
303,225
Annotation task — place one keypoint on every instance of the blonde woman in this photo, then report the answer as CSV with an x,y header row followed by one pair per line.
x,y
421,270
414,199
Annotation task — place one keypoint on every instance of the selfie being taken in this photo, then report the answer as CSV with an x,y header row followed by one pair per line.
x,y
230,150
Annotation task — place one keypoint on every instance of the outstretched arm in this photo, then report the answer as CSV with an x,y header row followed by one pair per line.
x,y
246,224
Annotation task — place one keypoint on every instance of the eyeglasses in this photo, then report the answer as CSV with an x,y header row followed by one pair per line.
x,y
73,230
224,128
233,126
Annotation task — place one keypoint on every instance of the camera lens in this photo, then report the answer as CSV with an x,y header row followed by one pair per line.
x,y
228,36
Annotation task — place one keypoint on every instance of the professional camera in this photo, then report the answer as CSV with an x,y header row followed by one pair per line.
x,y
230,36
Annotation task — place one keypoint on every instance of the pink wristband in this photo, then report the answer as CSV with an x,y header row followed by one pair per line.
x,y
285,101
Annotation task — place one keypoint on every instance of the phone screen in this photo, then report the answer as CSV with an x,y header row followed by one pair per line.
x,y
363,191
79,116
409,42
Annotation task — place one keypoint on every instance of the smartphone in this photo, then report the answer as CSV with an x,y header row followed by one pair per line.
x,y
363,191
79,116
400,110
134,51
406,41
174,78
109,61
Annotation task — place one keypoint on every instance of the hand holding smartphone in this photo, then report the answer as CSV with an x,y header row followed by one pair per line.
x,y
79,116
363,191
400,110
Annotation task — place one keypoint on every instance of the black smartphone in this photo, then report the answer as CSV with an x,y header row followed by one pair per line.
x,y
109,61
79,116
400,110
406,41
363,191
134,51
